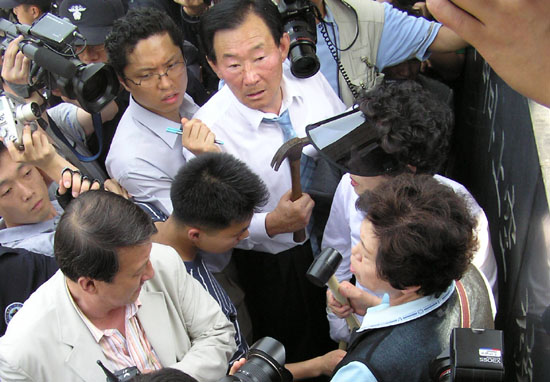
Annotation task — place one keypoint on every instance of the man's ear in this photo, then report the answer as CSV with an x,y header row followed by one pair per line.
x,y
284,45
123,83
214,68
193,234
35,11
87,284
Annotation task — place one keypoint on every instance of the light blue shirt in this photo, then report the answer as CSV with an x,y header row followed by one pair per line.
x,y
403,37
37,238
144,158
384,315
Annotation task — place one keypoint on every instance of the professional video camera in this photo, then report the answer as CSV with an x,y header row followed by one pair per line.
x,y
50,43
476,355
14,114
299,22
265,363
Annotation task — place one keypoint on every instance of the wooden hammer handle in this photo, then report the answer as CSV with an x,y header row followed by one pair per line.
x,y
299,235
333,285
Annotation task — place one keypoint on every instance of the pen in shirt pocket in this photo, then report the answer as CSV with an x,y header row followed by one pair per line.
x,y
179,131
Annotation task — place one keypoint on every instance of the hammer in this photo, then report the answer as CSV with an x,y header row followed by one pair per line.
x,y
321,272
292,149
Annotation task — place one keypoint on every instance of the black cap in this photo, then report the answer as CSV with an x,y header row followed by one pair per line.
x,y
15,3
94,18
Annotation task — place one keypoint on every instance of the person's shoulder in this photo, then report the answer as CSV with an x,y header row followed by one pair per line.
x,y
216,107
366,10
36,322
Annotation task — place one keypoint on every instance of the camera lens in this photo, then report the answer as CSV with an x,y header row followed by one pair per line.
x,y
265,364
304,61
95,87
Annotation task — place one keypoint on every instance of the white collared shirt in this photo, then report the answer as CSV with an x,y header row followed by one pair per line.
x,y
255,142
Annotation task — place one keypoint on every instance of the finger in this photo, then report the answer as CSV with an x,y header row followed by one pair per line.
x,y
85,184
62,189
67,178
15,154
76,183
96,185
459,20
27,139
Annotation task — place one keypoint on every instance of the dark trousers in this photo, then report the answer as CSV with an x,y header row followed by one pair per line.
x,y
282,303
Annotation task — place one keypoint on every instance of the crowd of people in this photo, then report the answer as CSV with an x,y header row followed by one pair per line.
x,y
173,251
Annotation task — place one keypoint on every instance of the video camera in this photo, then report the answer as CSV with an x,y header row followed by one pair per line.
x,y
50,43
299,22
475,355
14,114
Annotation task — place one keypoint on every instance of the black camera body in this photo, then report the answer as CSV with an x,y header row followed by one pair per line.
x,y
299,22
475,355
50,43
265,363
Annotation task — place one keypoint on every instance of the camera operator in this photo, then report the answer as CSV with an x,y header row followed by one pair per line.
x,y
76,124
370,36
27,11
416,242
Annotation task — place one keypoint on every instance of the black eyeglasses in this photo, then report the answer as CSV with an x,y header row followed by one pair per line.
x,y
153,79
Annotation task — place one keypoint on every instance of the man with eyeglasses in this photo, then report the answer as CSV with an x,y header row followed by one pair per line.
x,y
145,49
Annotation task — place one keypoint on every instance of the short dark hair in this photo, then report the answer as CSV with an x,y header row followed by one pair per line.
x,y
228,15
415,127
138,24
164,375
425,232
94,226
215,190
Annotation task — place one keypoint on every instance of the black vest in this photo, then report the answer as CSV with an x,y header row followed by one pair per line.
x,y
403,352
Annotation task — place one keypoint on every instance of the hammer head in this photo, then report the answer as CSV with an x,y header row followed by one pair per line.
x,y
324,266
291,149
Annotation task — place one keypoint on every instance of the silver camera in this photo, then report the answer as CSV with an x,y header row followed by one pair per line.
x,y
14,116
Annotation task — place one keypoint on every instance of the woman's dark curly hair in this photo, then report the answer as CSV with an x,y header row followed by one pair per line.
x,y
415,127
425,231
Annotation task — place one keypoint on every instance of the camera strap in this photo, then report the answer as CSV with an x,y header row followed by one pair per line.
x,y
98,129
464,305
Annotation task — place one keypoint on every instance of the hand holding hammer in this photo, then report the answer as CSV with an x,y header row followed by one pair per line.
x,y
292,150
321,272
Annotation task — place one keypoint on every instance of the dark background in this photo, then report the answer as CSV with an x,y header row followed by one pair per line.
x,y
495,156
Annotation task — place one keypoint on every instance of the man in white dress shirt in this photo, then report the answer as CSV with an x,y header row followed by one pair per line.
x,y
246,47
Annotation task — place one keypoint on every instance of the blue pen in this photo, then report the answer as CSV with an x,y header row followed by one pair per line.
x,y
178,131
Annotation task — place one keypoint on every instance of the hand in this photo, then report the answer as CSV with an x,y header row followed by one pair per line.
x,y
359,299
329,361
77,182
422,10
513,36
197,137
16,66
113,186
193,7
340,310
37,149
237,365
289,216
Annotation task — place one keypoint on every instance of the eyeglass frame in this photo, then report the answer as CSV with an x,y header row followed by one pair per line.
x,y
159,75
